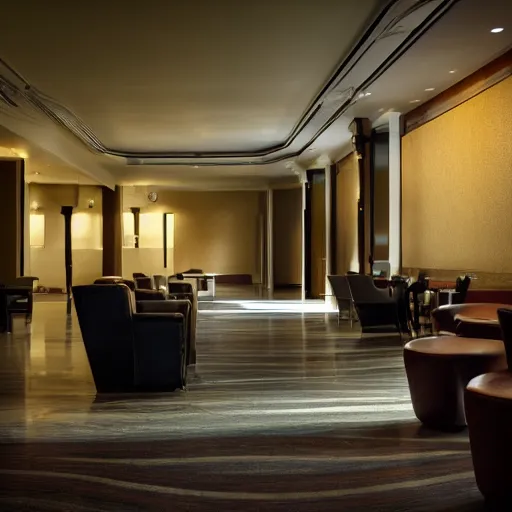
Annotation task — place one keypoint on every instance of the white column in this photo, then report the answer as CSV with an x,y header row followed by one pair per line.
x,y
270,241
395,189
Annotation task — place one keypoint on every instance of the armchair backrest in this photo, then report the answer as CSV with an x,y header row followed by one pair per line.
x,y
160,282
105,316
143,283
340,287
26,281
364,291
115,280
462,287
179,287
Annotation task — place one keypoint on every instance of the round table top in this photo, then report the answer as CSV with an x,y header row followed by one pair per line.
x,y
497,385
455,346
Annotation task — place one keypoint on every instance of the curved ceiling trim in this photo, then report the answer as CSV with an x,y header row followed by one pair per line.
x,y
399,25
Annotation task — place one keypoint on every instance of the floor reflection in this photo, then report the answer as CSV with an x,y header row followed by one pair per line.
x,y
285,411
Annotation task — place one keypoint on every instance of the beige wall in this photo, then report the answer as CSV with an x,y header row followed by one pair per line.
x,y
47,262
457,183
287,245
347,195
215,231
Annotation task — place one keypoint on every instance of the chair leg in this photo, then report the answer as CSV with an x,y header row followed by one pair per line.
x,y
9,322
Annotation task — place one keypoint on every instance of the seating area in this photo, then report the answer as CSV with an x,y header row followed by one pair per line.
x,y
256,256
138,325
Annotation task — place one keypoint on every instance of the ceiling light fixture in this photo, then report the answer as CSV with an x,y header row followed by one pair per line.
x,y
430,89
368,94
37,173
453,71
414,101
497,30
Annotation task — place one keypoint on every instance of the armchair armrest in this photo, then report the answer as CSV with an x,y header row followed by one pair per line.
x,y
159,348
163,306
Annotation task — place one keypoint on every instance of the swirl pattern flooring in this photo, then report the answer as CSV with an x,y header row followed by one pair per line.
x,y
285,411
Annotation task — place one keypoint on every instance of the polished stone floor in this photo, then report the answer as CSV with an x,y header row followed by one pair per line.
x,y
285,411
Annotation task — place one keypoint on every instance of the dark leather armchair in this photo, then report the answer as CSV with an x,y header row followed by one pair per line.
x,y
129,351
377,311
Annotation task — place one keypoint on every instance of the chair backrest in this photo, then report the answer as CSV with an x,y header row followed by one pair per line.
x,y
149,295
105,316
26,281
160,282
462,287
180,287
505,318
144,283
363,290
340,287
115,280
136,275
381,268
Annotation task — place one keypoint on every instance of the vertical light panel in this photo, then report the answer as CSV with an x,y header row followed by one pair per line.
x,y
395,190
37,227
128,230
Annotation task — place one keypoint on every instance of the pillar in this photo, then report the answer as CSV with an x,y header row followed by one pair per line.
x,y
362,129
112,231
303,180
12,213
270,240
395,191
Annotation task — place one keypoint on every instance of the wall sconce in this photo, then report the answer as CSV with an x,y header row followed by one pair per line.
x,y
91,203
34,206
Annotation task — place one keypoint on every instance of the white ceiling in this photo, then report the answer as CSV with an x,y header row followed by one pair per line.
x,y
225,77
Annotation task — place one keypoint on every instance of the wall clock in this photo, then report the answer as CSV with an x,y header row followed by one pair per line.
x,y
153,196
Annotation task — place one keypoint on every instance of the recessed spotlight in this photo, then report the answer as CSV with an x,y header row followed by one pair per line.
x,y
430,89
361,94
368,94
37,172
414,101
452,71
497,30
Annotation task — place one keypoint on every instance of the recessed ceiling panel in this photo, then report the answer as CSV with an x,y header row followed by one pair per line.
x,y
183,76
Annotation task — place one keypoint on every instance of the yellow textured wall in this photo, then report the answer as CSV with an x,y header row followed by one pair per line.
x,y
457,187
347,195
47,262
287,224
